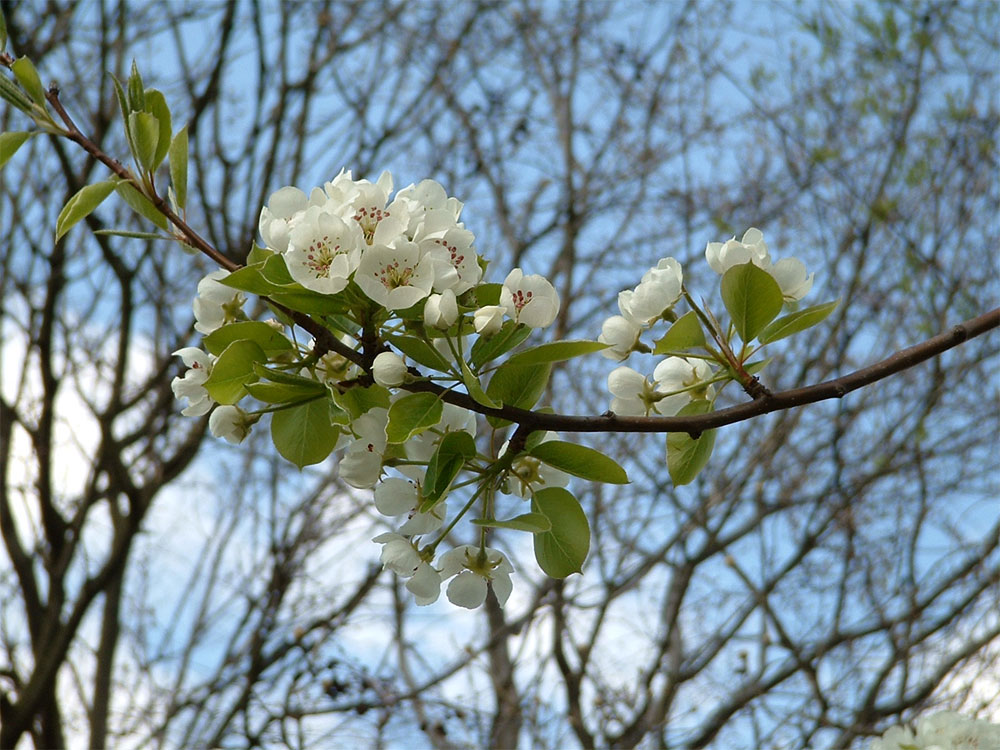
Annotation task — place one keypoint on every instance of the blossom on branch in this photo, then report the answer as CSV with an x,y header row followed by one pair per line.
x,y
530,299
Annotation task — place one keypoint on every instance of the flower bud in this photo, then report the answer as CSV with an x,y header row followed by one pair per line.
x,y
389,369
488,319
441,310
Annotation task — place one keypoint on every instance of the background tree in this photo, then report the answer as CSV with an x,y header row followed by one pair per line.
x,y
834,571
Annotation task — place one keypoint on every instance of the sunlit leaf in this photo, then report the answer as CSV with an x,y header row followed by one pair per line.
x,y
86,199
562,550
580,461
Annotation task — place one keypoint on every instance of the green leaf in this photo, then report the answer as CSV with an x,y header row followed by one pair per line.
x,y
517,385
3,31
420,352
145,131
27,76
452,452
282,393
561,551
752,298
580,461
82,204
141,204
266,337
10,143
156,104
9,91
488,348
794,322
556,351
686,333
257,253
249,279
136,92
535,523
475,389
284,376
304,434
232,370
412,414
488,294
178,160
132,235
357,401
687,456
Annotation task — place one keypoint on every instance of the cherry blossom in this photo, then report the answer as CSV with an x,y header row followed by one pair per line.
x,y
396,276
216,304
658,291
681,376
192,385
621,334
473,569
531,299
323,251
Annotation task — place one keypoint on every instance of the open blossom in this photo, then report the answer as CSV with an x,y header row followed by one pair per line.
x,y
231,423
361,465
635,396
686,377
277,215
395,496
395,276
472,572
531,299
401,557
323,251
946,730
791,275
657,292
192,385
216,304
722,256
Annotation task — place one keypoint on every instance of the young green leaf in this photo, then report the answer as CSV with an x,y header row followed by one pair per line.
x,y
420,352
268,339
687,456
580,461
752,298
145,131
555,351
488,294
178,161
686,333
304,434
140,204
156,104
82,204
488,348
452,452
563,550
27,76
517,385
356,401
797,321
136,92
10,143
282,393
412,414
286,377
249,279
10,92
232,370
475,389
534,523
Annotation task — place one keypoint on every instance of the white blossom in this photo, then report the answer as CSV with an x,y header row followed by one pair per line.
x,y
231,422
323,251
192,385
401,557
472,571
722,256
791,275
441,310
488,319
277,215
946,730
531,299
682,376
389,369
621,334
395,496
658,291
361,465
216,304
395,276
635,396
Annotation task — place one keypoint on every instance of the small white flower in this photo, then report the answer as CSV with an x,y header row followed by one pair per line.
x,y
429,195
658,291
425,585
323,251
531,299
276,216
191,386
216,304
389,370
472,571
395,276
398,554
441,310
231,423
635,396
722,256
395,496
946,730
488,319
680,376
621,334
361,465
791,275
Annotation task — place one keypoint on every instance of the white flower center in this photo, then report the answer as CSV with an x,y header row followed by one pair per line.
x,y
456,259
369,217
392,276
521,299
320,255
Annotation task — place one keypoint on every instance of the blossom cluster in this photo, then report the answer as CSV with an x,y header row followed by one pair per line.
x,y
405,254
946,730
